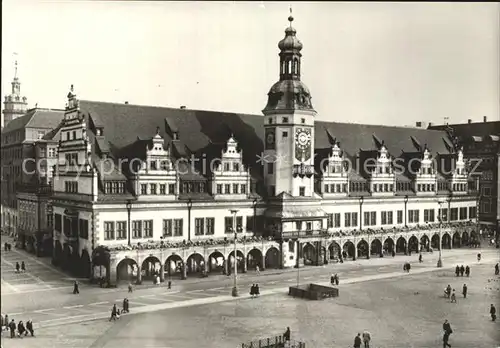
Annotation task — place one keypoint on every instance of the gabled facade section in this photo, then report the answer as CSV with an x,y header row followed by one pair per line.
x,y
333,180
425,179
381,174
156,176
459,176
230,178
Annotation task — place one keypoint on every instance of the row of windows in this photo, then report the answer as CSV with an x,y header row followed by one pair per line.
x,y
231,166
285,120
236,189
426,187
52,152
71,158
335,188
383,187
142,229
164,164
153,189
299,225
204,226
71,186
71,135
114,187
12,153
71,227
370,218
193,187
459,187
115,230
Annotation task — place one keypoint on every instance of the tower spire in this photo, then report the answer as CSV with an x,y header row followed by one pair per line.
x,y
15,70
290,18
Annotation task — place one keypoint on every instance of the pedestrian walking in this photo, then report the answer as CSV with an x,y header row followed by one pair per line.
x,y
169,284
113,313
5,247
257,290
332,280
23,267
357,341
336,279
12,327
457,271
420,258
117,313
478,257
467,271
496,269
252,290
464,291
493,312
462,270
366,339
130,289
20,329
5,322
29,328
286,335
257,269
75,288
447,332
448,291
17,267
453,297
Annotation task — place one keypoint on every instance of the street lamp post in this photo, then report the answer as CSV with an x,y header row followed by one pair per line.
x,y
129,207
361,200
189,206
440,261
234,292
406,210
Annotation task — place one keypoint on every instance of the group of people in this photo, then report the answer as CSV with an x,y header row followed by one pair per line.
x,y
115,311
18,330
7,246
362,339
496,269
459,271
334,279
449,293
255,290
20,268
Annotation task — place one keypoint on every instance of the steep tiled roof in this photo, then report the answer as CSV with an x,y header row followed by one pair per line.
x,y
199,130
472,129
36,118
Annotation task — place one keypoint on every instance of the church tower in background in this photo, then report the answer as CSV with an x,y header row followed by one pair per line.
x,y
15,105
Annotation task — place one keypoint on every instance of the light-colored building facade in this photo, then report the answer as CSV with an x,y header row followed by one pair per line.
x,y
141,189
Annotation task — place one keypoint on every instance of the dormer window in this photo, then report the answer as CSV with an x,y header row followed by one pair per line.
x,y
175,136
98,131
153,165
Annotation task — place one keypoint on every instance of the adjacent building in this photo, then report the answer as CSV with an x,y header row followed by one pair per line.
x,y
22,171
481,144
144,189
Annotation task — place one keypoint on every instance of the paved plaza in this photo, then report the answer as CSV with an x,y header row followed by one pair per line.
x,y
400,310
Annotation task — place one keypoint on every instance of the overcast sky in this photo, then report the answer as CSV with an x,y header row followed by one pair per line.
x,y
379,63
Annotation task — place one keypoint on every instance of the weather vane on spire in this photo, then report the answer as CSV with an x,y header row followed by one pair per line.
x,y
290,18
15,66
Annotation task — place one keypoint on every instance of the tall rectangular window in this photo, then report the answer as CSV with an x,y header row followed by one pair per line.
x,y
329,221
148,228
383,217
84,228
219,189
163,189
153,189
347,219
137,229
235,188
454,214
199,226
144,189
171,189
167,228
243,188
228,224
354,219
302,191
472,212
210,230
463,213
400,217
109,230
178,227
337,220
270,168
121,230
227,188
366,218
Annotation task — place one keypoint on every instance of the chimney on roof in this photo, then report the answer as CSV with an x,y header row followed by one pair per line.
x,y
469,121
485,118
420,124
126,103
183,107
430,124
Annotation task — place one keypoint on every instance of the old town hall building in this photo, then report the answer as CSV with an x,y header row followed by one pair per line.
x,y
141,189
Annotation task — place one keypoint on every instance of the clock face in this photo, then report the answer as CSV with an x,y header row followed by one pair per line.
x,y
303,138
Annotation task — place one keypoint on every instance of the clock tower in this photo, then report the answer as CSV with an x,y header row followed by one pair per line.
x,y
289,126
